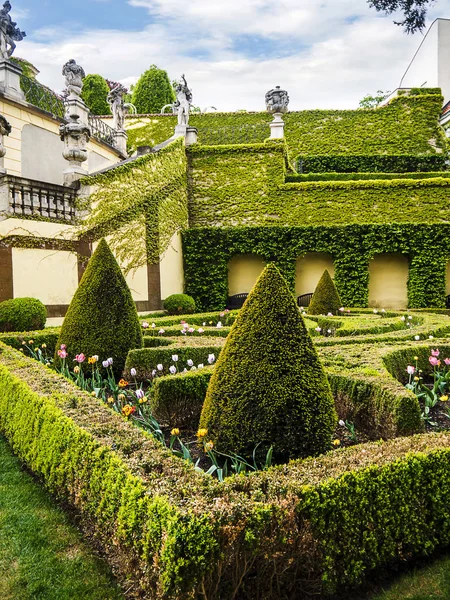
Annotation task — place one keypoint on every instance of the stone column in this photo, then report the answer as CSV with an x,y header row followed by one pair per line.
x,y
5,129
277,127
75,136
120,141
10,80
191,136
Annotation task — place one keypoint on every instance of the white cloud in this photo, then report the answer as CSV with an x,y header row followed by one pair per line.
x,y
332,64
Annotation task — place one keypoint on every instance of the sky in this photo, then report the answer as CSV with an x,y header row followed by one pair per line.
x,y
326,54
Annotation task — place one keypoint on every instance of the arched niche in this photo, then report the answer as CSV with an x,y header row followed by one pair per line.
x,y
388,281
309,269
243,271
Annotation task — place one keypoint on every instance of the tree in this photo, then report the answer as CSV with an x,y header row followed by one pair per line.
x,y
152,91
94,93
414,12
325,298
370,101
102,318
269,387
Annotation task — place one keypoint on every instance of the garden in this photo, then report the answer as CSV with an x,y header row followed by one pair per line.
x,y
267,452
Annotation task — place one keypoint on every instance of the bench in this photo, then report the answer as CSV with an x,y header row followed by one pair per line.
x,y
236,301
304,300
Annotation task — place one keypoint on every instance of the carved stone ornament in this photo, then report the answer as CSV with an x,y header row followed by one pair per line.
x,y
277,100
5,129
9,32
75,137
74,75
115,101
184,101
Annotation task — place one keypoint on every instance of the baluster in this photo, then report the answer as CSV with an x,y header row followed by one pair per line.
x,y
13,199
22,200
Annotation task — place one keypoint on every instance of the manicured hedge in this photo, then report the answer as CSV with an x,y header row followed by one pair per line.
x,y
300,178
145,360
176,401
314,525
347,163
22,314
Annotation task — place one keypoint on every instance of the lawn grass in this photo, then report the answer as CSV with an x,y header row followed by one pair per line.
x,y
42,555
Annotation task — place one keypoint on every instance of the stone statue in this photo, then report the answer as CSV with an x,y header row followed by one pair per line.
x,y
115,101
9,32
184,100
277,101
74,75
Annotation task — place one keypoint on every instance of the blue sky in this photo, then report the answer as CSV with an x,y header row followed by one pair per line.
x,y
326,54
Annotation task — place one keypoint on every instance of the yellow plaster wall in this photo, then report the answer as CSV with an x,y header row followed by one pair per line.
x,y
49,275
388,279
171,268
30,228
243,271
309,269
20,115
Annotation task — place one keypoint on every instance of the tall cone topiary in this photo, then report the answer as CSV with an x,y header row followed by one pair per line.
x,y
325,298
268,386
102,317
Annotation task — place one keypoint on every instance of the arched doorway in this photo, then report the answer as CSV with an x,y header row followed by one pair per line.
x,y
243,271
309,269
388,281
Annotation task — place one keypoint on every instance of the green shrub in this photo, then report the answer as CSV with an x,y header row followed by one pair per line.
x,y
94,93
325,298
102,317
176,401
179,304
269,387
22,314
347,163
152,91
301,178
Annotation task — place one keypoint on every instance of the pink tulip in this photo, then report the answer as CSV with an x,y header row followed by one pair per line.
x,y
410,369
62,354
435,352
447,361
80,358
433,361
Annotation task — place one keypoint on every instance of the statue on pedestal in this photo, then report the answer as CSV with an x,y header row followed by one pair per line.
x,y
9,32
184,101
74,75
115,101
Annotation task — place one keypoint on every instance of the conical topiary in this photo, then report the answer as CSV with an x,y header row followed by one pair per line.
x,y
102,318
268,386
325,298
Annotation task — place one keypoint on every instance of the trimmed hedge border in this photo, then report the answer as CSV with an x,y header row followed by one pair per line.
x,y
315,525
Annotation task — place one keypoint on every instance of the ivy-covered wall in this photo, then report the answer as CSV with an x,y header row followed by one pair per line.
x,y
208,250
148,192
244,185
408,125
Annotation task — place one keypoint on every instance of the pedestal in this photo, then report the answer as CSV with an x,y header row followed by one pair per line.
x,y
191,136
277,127
180,131
10,80
73,173
75,106
120,141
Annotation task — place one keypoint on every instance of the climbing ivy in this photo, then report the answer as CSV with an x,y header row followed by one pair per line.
x,y
140,205
407,125
207,252
244,185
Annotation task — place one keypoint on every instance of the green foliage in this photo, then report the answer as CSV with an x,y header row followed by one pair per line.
x,y
370,101
208,250
94,93
404,126
268,386
152,91
102,318
414,12
226,196
140,204
179,304
176,401
298,177
22,314
401,163
43,554
325,298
